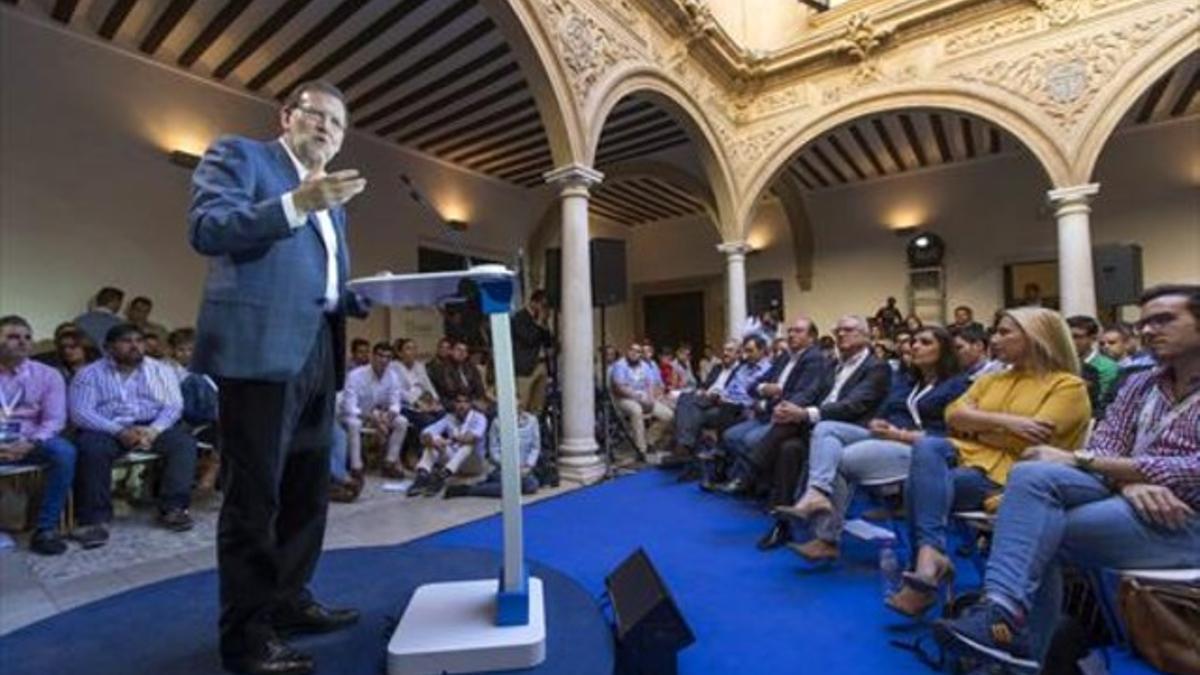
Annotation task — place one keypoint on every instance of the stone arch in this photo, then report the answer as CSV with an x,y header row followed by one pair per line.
x,y
970,99
527,39
1141,74
654,85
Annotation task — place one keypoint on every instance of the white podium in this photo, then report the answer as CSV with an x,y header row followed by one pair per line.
x,y
475,625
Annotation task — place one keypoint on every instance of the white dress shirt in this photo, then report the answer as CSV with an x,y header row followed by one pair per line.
x,y
414,382
365,392
844,370
324,227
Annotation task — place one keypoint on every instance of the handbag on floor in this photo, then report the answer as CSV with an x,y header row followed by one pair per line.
x,y
1163,622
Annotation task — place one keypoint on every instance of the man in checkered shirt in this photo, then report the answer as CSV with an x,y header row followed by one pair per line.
x,y
1128,500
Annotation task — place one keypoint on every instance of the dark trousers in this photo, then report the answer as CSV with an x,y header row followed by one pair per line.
x,y
694,413
96,452
275,439
779,459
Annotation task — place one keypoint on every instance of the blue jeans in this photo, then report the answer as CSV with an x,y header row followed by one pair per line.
x,y
338,454
1053,513
937,486
842,455
57,454
739,439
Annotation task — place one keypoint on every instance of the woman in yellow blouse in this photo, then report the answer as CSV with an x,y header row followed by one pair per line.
x,y
1039,400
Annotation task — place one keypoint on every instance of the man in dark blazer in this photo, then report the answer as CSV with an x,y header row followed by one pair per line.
x,y
529,337
271,331
796,376
851,392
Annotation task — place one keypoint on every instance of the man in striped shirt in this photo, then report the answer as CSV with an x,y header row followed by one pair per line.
x,y
1129,500
121,403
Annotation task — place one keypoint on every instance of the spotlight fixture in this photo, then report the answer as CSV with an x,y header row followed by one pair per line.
x,y
184,159
925,250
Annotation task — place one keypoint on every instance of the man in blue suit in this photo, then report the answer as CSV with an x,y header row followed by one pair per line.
x,y
271,331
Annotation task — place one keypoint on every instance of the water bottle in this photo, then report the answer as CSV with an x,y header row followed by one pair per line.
x,y
889,569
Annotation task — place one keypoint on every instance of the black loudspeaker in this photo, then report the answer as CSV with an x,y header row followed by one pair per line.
x,y
650,630
553,278
608,272
763,295
1118,274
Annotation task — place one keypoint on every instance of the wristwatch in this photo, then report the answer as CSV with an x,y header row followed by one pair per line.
x,y
1084,459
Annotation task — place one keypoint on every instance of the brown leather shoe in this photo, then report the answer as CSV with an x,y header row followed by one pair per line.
x,y
816,550
393,470
910,601
344,493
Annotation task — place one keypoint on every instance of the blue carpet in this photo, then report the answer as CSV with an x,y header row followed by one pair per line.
x,y
752,612
169,628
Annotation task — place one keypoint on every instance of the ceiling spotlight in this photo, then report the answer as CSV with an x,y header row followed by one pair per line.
x,y
925,250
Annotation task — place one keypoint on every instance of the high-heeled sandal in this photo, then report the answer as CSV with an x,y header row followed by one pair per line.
x,y
801,513
919,594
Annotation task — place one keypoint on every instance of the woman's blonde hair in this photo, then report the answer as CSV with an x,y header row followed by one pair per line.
x,y
1050,345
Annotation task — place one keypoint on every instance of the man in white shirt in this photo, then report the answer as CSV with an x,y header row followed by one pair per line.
x,y
371,402
448,443
418,396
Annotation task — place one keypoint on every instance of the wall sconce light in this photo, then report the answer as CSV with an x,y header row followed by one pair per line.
x,y
184,159
906,231
456,225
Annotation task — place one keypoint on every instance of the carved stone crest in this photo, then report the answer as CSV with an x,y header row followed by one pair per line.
x,y
588,49
1066,82
862,41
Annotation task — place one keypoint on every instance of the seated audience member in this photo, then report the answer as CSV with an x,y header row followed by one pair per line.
x,y
418,397
638,392
371,400
964,318
851,393
460,376
442,359
530,338
33,415
137,312
1128,500
480,359
673,381
779,347
722,399
529,448
972,345
608,358
828,348
888,318
682,364
101,315
1085,333
180,344
126,402
448,443
1031,296
796,377
343,487
1040,399
1119,342
72,351
912,324
649,352
708,361
360,354
844,454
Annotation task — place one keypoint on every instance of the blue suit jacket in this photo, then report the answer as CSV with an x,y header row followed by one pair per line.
x,y
262,306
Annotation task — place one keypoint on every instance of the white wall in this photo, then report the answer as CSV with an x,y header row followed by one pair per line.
x,y
88,197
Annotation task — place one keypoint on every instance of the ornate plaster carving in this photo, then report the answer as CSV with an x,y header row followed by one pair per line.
x,y
1058,12
862,40
588,49
1062,80
990,33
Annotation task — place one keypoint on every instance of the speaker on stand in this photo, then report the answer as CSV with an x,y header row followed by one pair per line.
x,y
650,630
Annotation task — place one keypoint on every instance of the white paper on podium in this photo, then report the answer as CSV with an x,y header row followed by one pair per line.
x,y
427,290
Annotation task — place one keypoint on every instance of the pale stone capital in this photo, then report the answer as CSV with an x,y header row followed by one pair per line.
x,y
573,178
734,248
1073,199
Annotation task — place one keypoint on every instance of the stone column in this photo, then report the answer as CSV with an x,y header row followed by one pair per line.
x,y
578,459
735,286
1076,278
